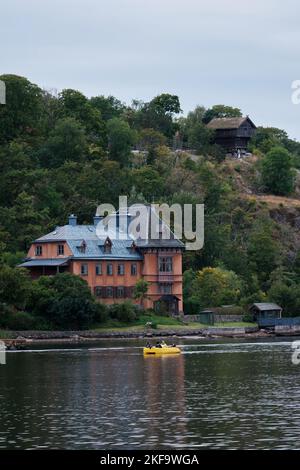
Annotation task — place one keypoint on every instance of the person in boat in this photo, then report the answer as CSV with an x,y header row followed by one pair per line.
x,y
158,344
148,345
164,344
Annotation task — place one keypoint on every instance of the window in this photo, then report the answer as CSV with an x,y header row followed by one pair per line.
x,y
165,264
84,270
38,250
121,269
129,292
98,269
165,288
109,291
60,249
107,246
109,269
98,291
120,291
133,269
82,247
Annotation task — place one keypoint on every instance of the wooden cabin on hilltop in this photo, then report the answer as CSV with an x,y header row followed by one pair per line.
x,y
233,134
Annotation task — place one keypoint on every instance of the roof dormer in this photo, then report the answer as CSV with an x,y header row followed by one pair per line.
x,y
107,245
82,247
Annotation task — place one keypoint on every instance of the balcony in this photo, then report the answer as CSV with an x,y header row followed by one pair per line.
x,y
165,277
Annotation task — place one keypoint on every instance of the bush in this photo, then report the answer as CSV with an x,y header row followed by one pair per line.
x,y
230,310
124,312
248,318
19,321
5,312
191,306
64,301
101,313
42,324
278,174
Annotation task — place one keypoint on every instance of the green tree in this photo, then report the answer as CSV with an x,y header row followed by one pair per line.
x,y
120,140
278,175
20,117
287,296
64,300
214,287
265,138
67,142
150,140
263,252
191,302
158,114
147,181
15,286
221,111
166,104
23,222
140,291
109,107
75,105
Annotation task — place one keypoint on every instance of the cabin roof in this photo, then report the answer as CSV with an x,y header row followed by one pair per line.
x,y
229,123
263,306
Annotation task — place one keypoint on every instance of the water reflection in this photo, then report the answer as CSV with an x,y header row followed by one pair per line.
x,y
226,395
165,400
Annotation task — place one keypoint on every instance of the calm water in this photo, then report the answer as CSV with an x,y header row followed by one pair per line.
x,y
228,395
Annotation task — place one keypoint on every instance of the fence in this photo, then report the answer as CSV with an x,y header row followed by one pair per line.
x,y
285,321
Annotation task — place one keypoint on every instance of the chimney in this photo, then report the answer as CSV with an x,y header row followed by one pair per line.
x,y
72,220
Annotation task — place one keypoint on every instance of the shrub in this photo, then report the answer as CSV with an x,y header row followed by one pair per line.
x,y
278,174
192,306
64,301
248,318
5,312
19,321
101,313
230,310
124,312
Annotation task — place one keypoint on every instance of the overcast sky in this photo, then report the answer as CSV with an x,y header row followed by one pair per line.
x,y
242,53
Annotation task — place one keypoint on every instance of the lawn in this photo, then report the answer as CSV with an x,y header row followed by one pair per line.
x,y
162,323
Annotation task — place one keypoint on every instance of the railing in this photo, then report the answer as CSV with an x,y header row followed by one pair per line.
x,y
162,277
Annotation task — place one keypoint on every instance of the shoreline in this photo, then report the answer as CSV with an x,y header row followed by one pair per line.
x,y
21,339
18,339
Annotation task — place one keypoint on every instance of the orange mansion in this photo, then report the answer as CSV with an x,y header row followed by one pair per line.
x,y
112,266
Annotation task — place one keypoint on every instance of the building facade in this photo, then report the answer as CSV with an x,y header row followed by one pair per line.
x,y
233,134
112,266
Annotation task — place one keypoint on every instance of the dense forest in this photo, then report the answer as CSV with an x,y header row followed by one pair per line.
x,y
63,153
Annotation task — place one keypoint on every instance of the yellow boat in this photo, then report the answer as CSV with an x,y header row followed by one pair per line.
x,y
162,350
